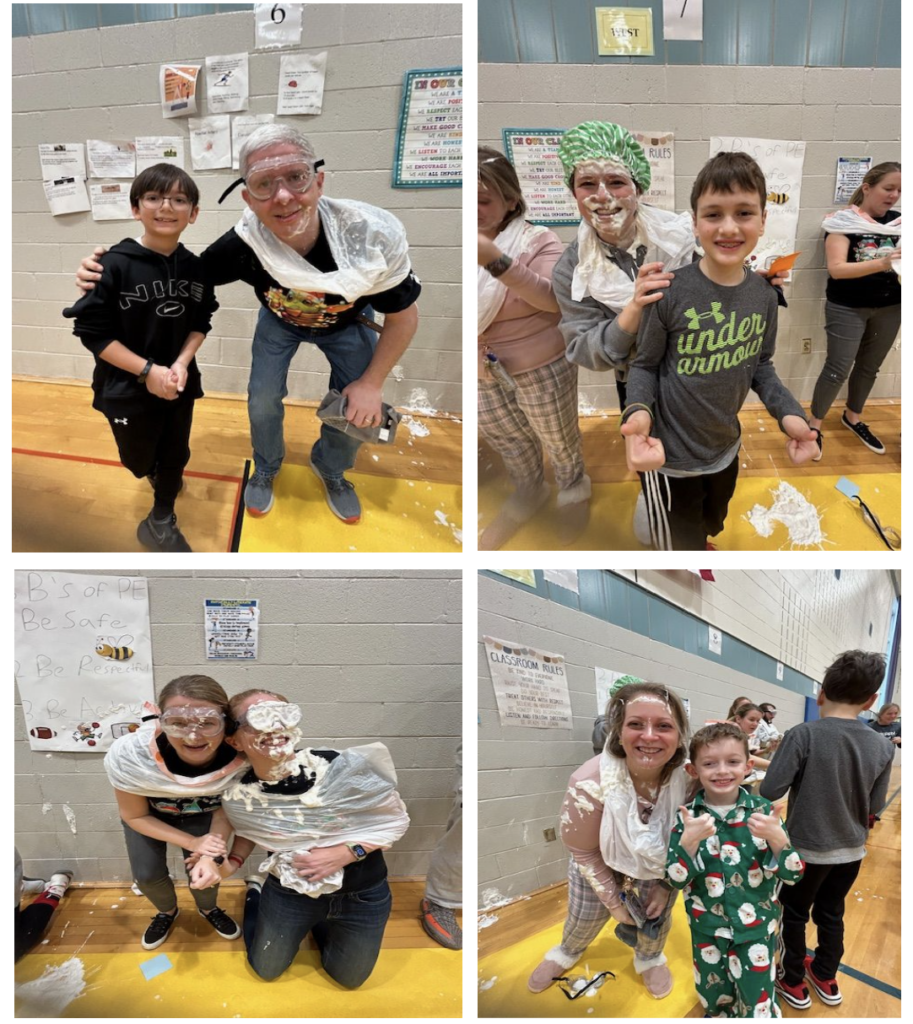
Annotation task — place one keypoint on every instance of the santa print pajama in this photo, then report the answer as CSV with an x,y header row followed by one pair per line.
x,y
735,979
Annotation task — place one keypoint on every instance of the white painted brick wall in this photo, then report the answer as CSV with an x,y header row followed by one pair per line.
x,y
103,83
837,111
370,655
523,773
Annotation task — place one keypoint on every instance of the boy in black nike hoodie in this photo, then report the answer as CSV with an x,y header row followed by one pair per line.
x,y
144,322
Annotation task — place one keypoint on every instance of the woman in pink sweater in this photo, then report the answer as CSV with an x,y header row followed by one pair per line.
x,y
616,821
527,388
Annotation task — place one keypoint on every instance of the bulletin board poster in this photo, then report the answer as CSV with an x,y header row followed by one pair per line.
x,y
530,686
850,172
781,161
429,138
83,658
232,630
534,154
659,150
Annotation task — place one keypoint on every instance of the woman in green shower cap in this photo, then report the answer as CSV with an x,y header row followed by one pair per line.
x,y
623,258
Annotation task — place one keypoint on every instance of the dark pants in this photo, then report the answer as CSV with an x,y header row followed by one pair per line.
x,y
699,505
156,442
150,865
348,928
32,921
822,891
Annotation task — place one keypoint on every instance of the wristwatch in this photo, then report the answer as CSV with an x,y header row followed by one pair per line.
x,y
141,379
358,850
497,267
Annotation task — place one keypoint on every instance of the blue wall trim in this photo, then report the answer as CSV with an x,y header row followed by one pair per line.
x,y
618,600
41,19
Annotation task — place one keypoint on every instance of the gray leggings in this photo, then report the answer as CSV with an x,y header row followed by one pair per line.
x,y
858,340
149,863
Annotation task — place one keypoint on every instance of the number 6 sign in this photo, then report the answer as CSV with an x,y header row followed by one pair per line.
x,y
277,25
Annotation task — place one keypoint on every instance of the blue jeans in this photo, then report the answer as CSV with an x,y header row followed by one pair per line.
x,y
349,352
348,928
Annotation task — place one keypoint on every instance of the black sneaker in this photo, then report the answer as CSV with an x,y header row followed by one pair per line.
x,y
864,434
159,930
161,536
817,458
223,924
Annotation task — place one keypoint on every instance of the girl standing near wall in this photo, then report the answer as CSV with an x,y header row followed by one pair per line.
x,y
863,298
527,388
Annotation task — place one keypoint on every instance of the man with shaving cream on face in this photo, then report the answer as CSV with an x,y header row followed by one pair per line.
x,y
622,260
324,816
320,267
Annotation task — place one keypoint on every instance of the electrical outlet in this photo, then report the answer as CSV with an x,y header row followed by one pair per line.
x,y
549,834
806,346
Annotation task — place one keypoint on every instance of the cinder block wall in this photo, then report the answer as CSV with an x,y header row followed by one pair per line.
x,y
837,111
369,655
523,773
102,83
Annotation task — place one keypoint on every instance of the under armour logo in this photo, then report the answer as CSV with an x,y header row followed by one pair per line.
x,y
694,318
124,421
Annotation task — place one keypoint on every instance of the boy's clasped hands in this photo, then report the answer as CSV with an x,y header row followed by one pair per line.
x,y
167,381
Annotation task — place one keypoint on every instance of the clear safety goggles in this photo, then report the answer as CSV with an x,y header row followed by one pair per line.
x,y
182,721
265,176
268,714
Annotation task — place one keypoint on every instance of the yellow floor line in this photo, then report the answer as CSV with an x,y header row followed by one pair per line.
x,y
612,511
405,983
397,515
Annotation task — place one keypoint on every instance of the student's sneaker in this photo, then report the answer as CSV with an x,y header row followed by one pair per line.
x,y
817,458
341,496
441,924
796,995
59,882
258,494
225,927
827,991
255,881
864,434
159,929
164,536
33,885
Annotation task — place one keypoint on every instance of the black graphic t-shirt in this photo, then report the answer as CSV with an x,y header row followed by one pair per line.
x,y
881,289
230,259
169,806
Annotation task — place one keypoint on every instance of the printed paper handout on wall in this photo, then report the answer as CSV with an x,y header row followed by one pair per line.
x,y
530,686
232,629
83,657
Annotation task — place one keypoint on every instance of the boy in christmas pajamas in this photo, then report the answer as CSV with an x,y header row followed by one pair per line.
x,y
729,853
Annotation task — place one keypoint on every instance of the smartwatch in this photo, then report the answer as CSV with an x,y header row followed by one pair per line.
x,y
497,266
358,850
141,379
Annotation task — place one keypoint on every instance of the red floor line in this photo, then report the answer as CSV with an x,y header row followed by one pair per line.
x,y
111,462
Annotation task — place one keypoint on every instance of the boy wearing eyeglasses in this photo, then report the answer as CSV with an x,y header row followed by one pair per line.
x,y
144,321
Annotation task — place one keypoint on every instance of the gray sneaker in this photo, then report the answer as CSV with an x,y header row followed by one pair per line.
x,y
258,494
341,496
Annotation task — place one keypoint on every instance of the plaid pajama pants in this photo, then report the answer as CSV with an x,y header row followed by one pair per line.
x,y
586,916
541,413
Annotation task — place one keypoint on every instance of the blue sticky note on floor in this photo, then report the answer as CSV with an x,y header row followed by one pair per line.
x,y
847,487
156,966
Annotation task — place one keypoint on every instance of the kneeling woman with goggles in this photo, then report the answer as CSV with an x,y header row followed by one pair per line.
x,y
168,777
324,816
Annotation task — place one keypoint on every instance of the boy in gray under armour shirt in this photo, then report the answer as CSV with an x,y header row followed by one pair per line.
x,y
700,349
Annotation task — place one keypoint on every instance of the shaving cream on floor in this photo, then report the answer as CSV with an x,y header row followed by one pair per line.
x,y
52,993
795,512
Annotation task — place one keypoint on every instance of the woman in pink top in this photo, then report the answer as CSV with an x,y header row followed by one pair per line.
x,y
616,821
527,388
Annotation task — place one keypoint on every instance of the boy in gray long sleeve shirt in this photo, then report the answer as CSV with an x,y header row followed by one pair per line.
x,y
700,349
837,772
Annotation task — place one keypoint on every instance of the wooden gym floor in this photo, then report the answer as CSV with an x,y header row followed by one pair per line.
x,y
61,504
869,977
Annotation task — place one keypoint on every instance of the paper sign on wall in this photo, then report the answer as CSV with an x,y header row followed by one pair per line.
x,y
66,195
566,578
605,679
781,161
62,160
210,142
232,629
780,671
159,149
301,78
715,640
527,576
111,201
683,19
83,657
226,83
178,89
277,25
242,126
850,172
659,150
530,686
115,159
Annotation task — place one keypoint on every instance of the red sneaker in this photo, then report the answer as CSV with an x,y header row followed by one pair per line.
x,y
827,991
796,995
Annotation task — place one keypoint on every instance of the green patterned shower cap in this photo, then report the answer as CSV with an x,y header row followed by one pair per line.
x,y
623,681
600,140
